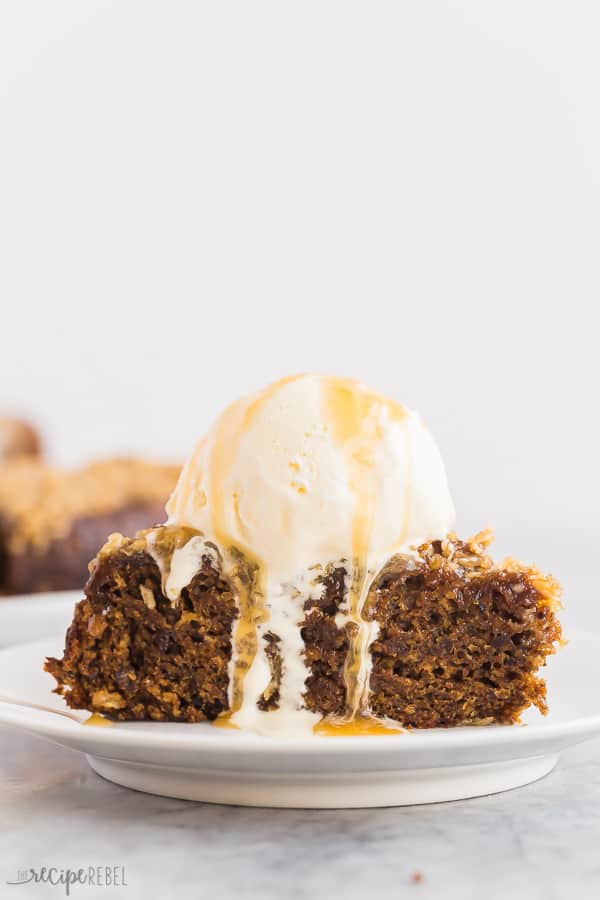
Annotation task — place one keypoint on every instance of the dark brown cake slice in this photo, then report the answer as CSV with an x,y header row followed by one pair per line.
x,y
53,521
131,653
460,640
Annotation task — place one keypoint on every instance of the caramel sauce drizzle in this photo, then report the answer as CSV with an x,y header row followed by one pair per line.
x,y
162,542
355,415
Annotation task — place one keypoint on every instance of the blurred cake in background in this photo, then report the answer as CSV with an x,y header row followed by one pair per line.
x,y
52,521
18,439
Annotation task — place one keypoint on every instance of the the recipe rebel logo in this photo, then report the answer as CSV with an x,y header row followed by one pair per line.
x,y
90,876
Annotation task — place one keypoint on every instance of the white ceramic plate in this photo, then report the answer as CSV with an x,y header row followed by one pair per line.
x,y
32,616
201,762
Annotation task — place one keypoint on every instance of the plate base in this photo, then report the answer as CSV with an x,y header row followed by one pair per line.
x,y
404,787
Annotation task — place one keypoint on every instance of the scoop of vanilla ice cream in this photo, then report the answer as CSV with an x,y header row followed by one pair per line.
x,y
289,474
314,471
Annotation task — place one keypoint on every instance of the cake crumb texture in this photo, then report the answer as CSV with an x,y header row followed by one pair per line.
x,y
132,654
460,638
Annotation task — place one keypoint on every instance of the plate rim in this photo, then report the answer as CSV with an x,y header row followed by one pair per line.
x,y
17,601
55,725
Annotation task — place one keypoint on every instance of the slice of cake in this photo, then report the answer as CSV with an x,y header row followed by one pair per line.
x,y
308,578
52,521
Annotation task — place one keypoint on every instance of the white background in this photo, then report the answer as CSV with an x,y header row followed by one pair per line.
x,y
196,198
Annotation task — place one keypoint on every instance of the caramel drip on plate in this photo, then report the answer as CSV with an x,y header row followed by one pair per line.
x,y
355,417
361,726
224,721
98,720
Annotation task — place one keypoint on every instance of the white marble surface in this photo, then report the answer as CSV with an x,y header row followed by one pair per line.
x,y
541,841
